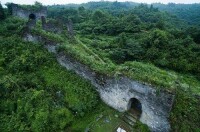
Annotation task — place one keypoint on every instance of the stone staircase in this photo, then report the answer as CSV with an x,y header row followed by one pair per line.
x,y
129,119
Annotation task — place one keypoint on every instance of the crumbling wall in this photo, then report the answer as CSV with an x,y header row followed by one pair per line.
x,y
70,28
52,26
22,13
117,92
58,27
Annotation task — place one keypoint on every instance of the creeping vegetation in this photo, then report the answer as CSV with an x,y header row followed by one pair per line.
x,y
37,94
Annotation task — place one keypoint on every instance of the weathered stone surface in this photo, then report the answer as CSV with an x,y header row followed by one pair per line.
x,y
22,13
52,26
70,28
117,92
31,38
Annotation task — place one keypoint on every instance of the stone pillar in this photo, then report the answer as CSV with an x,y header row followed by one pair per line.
x,y
70,28
43,19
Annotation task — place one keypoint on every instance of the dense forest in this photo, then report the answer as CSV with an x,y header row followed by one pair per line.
x,y
157,44
142,33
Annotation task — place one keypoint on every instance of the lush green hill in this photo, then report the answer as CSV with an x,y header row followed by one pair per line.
x,y
186,87
38,94
143,34
186,12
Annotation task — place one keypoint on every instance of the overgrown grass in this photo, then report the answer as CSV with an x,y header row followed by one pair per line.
x,y
39,94
185,116
146,73
104,118
48,35
168,80
11,26
92,118
86,56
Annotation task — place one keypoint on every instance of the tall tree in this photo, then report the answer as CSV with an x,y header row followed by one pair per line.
x,y
2,13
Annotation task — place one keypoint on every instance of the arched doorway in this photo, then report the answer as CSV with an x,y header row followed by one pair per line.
x,y
32,16
135,107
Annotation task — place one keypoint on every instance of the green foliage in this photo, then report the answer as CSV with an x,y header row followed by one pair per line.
x,y
11,26
187,12
65,14
178,54
36,93
158,77
37,6
61,118
143,34
185,112
47,35
2,13
194,32
99,16
39,95
9,6
139,127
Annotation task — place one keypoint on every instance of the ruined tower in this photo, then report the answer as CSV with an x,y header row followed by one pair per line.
x,y
34,14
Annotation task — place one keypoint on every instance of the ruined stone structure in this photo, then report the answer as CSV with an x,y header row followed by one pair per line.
x,y
32,16
70,28
52,26
121,92
28,14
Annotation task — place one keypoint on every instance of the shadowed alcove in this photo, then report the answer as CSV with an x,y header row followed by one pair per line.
x,y
135,107
32,16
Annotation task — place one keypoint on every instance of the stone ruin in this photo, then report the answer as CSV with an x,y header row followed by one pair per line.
x,y
57,26
121,93
51,25
31,14
125,94
54,26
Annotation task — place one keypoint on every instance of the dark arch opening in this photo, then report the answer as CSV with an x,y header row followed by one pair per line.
x,y
135,107
32,16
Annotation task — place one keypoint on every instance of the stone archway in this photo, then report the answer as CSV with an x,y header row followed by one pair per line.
x,y
135,107
32,16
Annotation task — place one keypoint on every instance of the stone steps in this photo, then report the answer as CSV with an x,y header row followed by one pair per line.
x,y
135,116
129,119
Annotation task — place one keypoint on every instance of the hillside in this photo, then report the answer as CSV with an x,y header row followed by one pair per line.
x,y
147,48
186,12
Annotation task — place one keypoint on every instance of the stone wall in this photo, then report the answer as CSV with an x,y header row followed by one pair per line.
x,y
117,92
22,13
52,26
114,91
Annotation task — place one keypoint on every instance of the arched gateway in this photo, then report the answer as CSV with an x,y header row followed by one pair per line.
x,y
135,107
32,16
